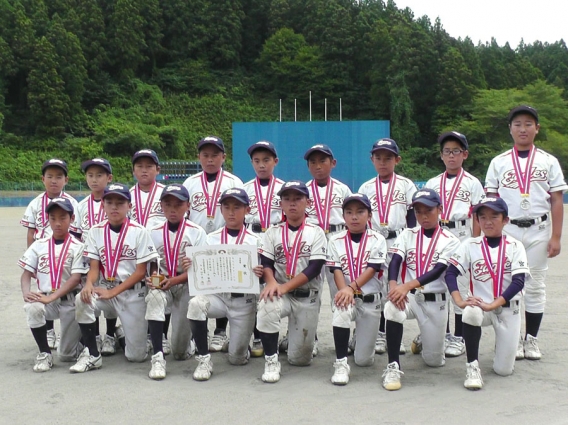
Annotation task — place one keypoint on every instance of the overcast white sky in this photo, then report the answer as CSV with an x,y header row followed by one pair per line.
x,y
506,20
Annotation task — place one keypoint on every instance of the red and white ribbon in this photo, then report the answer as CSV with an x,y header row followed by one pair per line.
x,y
355,263
497,275
291,253
240,237
383,207
448,201
56,266
171,253
264,205
112,256
143,212
422,265
211,200
523,178
323,211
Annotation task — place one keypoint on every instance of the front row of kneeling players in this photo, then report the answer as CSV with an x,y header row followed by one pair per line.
x,y
292,256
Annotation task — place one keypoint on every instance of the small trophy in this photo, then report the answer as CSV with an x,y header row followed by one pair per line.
x,y
157,280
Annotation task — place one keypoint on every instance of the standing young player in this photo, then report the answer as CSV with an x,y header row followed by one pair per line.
x,y
57,263
292,254
355,256
391,198
498,265
419,256
531,182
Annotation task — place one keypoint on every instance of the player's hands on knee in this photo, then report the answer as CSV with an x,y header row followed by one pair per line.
x,y
45,299
31,297
473,302
87,293
103,293
344,298
270,291
397,294
258,271
553,248
186,263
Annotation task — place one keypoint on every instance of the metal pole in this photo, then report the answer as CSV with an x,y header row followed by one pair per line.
x,y
280,110
340,111
310,105
295,110
325,109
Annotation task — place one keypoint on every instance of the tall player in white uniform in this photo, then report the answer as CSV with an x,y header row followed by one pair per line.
x,y
391,198
531,182
498,265
205,189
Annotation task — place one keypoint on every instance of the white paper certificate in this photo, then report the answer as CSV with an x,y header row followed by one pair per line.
x,y
222,268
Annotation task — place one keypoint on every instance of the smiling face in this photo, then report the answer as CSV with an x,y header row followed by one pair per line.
x,y
54,180
491,222
356,216
523,129
234,213
427,217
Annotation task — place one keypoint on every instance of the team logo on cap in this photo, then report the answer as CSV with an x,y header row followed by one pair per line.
x,y
210,139
356,195
146,151
98,160
317,147
171,188
457,134
263,143
489,200
292,184
58,200
233,192
55,161
115,187
384,142
422,193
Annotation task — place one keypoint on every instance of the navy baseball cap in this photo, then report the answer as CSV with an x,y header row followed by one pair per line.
x,y
177,190
453,135
427,197
262,144
54,162
319,148
63,203
295,185
235,193
358,197
387,144
211,140
496,204
101,162
523,109
146,153
117,189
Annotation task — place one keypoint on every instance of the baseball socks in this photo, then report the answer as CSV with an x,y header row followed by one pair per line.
x,y
158,370
90,358
472,336
166,347
204,368
342,369
392,374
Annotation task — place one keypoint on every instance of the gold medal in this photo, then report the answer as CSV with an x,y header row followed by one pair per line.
x,y
111,279
289,276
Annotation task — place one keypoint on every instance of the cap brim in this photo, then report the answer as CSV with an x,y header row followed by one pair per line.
x,y
311,151
382,148
179,196
491,206
122,195
63,207
223,199
201,145
426,202
292,189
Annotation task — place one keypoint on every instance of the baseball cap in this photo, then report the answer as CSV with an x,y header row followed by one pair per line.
x,y
117,189
54,162
262,144
296,185
60,202
427,197
453,135
146,153
358,197
523,109
388,144
319,148
211,140
177,190
101,162
496,204
235,193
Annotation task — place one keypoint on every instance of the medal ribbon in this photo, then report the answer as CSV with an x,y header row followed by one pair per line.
x,y
383,207
142,212
211,200
524,179
113,255
355,272
422,266
56,266
91,216
240,237
323,211
448,202
262,206
172,253
291,253
497,276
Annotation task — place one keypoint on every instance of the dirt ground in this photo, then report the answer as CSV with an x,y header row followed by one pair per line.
x,y
121,392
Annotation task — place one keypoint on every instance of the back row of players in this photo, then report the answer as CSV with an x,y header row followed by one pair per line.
x,y
387,252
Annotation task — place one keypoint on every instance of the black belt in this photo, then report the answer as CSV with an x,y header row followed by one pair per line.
x,y
255,228
303,293
336,227
508,303
392,234
236,295
68,296
529,221
430,296
369,298
453,224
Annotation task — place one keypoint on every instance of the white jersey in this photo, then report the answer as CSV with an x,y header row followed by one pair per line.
x,y
36,218
340,191
405,246
137,248
546,177
375,253
469,193
98,215
469,258
250,238
198,200
313,247
155,216
276,214
36,260
401,201
193,235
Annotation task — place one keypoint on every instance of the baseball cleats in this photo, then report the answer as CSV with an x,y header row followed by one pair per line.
x,y
219,342
454,346
271,369
43,363
166,347
86,362
416,346
532,352
52,339
158,370
99,340
257,349
204,368
315,349
341,374
381,343
473,380
391,377
283,344
109,346
520,349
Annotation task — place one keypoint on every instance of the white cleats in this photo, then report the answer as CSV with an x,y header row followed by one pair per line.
x,y
454,345
158,370
391,377
86,362
109,346
219,342
342,371
204,368
473,380
271,369
532,352
381,343
43,363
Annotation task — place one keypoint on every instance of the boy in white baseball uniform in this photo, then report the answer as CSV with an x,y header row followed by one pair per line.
x,y
265,209
171,238
498,265
239,308
292,254
54,178
391,198
531,182
119,249
419,259
204,189
57,263
355,256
